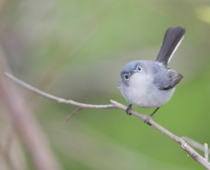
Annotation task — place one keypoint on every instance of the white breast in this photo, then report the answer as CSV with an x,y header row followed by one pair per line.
x,y
142,92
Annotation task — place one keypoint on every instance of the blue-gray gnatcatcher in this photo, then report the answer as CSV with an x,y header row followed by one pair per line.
x,y
149,84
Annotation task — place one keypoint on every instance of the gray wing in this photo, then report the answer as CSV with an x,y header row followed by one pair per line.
x,y
175,78
164,78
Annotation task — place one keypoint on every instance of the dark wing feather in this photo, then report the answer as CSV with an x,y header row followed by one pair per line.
x,y
175,78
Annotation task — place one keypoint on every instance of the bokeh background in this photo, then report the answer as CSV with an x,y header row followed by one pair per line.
x,y
75,49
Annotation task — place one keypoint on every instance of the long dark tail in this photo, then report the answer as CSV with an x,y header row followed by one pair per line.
x,y
171,41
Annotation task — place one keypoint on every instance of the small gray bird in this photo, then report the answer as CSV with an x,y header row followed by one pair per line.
x,y
149,84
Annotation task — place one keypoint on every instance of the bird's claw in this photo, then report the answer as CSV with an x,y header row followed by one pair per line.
x,y
148,119
128,109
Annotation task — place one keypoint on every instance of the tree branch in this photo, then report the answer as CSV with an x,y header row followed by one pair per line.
x,y
58,99
194,144
115,104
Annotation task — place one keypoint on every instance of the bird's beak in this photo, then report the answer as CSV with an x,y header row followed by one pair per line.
x,y
132,72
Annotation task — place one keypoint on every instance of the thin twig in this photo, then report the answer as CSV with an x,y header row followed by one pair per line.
x,y
58,99
73,113
194,144
115,104
206,151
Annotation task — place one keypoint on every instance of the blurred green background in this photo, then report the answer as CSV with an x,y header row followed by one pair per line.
x,y
75,49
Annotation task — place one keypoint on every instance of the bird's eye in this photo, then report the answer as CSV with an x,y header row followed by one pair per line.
x,y
138,68
126,77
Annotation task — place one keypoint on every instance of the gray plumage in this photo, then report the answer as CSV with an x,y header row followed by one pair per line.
x,y
150,84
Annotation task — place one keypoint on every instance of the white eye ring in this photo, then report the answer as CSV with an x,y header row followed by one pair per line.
x,y
138,68
126,76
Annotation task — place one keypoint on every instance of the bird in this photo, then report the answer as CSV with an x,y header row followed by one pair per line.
x,y
151,84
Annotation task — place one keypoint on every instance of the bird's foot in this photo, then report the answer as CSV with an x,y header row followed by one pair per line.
x,y
148,119
128,109
150,116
